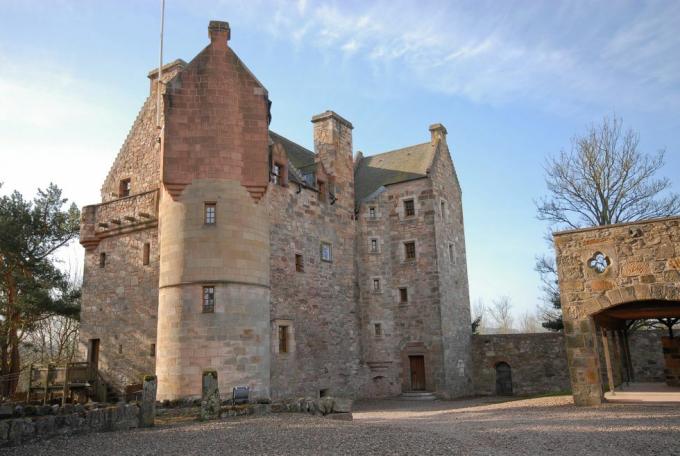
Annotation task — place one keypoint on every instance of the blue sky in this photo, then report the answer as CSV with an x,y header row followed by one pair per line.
x,y
511,81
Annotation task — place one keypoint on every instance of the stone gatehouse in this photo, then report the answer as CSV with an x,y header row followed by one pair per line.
x,y
221,244
608,276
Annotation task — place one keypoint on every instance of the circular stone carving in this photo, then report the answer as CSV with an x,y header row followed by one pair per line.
x,y
599,262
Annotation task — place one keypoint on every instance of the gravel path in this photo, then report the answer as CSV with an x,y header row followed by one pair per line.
x,y
471,427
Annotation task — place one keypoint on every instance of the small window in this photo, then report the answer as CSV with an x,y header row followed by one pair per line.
x,y
451,253
403,295
378,329
102,260
443,209
322,190
120,349
210,213
146,254
326,252
276,174
283,339
152,350
208,299
124,188
371,212
323,392
374,246
409,208
376,284
299,263
410,250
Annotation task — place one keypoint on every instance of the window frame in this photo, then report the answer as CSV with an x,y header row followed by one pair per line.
x,y
377,330
102,260
208,218
330,251
208,306
372,212
374,246
146,254
407,251
409,207
403,295
377,286
124,187
299,263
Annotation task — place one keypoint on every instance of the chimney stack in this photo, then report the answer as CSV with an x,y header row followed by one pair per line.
x,y
219,33
438,132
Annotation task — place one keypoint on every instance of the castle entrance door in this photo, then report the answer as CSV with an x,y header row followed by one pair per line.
x,y
417,372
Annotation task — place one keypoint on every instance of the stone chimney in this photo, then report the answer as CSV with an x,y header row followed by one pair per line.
x,y
438,132
219,33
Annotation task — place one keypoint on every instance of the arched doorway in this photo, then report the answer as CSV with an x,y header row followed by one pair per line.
x,y
608,276
503,379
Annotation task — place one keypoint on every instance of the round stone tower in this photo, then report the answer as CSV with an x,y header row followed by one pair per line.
x,y
214,298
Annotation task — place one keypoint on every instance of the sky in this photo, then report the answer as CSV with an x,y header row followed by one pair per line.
x,y
512,81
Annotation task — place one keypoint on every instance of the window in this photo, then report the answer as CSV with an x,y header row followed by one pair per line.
x,y
376,285
299,263
378,329
326,252
451,253
410,250
152,350
409,208
322,191
120,349
276,174
146,253
209,213
208,299
374,246
443,209
403,295
102,260
371,212
283,339
124,188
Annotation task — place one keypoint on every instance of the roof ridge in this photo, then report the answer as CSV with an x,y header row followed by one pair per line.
x,y
397,150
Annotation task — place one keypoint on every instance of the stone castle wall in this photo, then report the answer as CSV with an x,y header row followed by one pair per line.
x,y
538,362
647,355
454,299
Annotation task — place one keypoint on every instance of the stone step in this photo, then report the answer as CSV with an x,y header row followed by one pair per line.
x,y
418,396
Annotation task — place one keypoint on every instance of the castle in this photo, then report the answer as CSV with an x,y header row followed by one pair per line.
x,y
219,244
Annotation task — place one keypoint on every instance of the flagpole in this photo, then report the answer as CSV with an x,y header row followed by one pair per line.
x,y
160,69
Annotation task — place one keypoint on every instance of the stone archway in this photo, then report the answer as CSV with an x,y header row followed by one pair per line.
x,y
607,275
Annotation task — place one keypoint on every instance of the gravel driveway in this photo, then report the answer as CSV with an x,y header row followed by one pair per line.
x,y
476,427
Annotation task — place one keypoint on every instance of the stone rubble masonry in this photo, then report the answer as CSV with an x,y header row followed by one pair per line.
x,y
70,419
671,354
147,412
647,356
643,265
538,362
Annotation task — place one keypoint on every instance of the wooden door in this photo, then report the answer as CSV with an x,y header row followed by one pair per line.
x,y
417,373
503,379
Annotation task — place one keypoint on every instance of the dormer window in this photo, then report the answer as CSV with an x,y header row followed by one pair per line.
x,y
276,174
124,188
371,212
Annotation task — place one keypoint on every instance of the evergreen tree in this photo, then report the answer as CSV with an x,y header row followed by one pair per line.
x,y
32,288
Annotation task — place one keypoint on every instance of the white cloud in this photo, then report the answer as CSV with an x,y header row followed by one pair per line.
x,y
612,54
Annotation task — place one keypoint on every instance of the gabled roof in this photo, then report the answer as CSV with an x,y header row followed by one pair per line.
x,y
391,167
299,156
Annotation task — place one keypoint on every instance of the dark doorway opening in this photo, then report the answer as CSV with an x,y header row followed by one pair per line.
x,y
503,379
417,372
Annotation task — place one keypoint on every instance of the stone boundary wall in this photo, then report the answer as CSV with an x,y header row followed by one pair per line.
x,y
647,355
538,362
23,424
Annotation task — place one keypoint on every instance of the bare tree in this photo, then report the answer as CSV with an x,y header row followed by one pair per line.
x,y
528,323
501,313
603,179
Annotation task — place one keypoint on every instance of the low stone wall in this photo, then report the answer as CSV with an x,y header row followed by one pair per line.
x,y
538,362
671,353
22,424
646,355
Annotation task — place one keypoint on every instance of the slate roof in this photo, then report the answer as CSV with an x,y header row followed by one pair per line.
x,y
391,167
373,172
